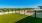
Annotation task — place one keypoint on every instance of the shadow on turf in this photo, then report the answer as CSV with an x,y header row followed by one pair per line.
x,y
30,20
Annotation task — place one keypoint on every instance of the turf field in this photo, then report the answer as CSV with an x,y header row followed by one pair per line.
x,y
11,18
30,20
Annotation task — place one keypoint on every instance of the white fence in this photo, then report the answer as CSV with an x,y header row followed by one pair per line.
x,y
19,11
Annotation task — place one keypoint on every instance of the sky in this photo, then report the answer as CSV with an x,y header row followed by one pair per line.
x,y
20,3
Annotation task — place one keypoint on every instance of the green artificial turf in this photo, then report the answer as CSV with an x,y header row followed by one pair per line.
x,y
30,20
11,18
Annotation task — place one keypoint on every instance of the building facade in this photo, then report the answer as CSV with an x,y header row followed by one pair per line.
x,y
38,12
40,7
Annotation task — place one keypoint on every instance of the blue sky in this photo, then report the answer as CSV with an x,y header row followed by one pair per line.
x,y
20,3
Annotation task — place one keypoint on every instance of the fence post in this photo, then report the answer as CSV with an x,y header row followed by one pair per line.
x,y
8,11
4,11
15,10
19,11
24,12
12,10
35,13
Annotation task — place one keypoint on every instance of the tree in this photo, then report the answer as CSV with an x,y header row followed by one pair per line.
x,y
11,10
3,10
